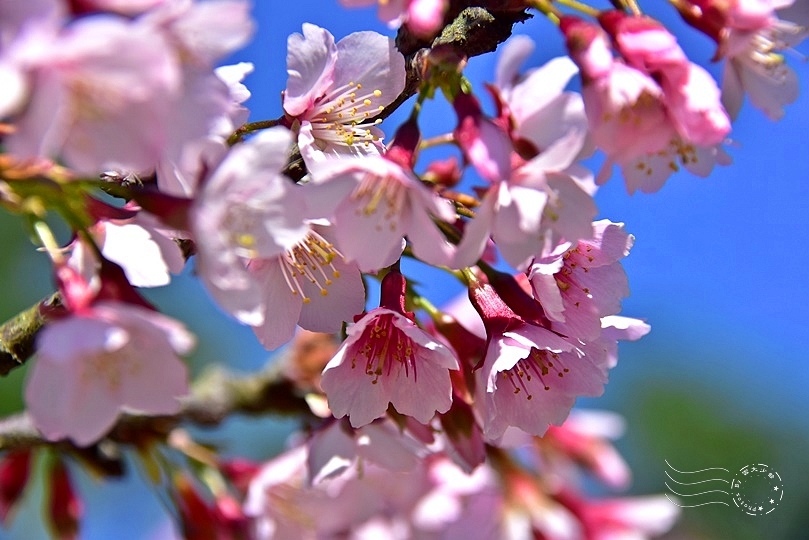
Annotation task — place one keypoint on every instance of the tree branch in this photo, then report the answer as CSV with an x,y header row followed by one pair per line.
x,y
18,334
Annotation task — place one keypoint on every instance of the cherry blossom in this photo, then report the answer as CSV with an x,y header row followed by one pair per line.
x,y
422,17
95,364
387,358
754,65
541,203
374,202
631,517
652,108
336,447
335,90
102,93
246,211
577,286
310,285
583,441
141,245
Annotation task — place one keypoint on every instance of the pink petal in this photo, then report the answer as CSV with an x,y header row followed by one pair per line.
x,y
310,67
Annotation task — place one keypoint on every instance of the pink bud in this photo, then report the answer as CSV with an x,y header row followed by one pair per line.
x,y
65,509
14,470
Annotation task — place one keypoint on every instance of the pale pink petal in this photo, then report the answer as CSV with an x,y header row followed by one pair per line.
x,y
283,308
373,60
310,67
344,298
350,391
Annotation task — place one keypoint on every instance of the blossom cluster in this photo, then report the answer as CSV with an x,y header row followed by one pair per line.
x,y
128,98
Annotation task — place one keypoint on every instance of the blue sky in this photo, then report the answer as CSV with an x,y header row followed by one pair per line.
x,y
719,266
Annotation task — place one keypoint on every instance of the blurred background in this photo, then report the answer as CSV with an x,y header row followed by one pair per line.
x,y
719,269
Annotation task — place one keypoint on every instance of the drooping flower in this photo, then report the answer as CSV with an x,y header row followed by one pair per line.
x,y
246,211
107,358
650,110
750,36
336,90
388,359
579,284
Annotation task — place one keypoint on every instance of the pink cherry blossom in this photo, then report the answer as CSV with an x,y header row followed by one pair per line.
x,y
485,144
374,203
246,211
530,376
124,7
108,358
371,503
540,204
652,111
310,285
583,440
754,64
336,90
577,286
541,111
141,245
387,358
628,517
203,32
423,17
100,95
337,447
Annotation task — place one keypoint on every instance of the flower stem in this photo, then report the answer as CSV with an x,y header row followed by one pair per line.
x,y
250,127
580,7
446,138
49,242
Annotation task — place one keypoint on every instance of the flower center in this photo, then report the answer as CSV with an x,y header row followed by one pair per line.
x,y
384,346
343,115
310,260
535,369
373,190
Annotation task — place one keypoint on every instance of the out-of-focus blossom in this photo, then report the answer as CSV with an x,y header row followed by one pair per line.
x,y
124,7
64,507
99,95
628,517
652,110
388,359
310,285
583,440
141,245
15,467
246,211
335,90
337,447
106,359
202,33
371,503
422,17
750,35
